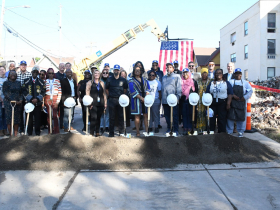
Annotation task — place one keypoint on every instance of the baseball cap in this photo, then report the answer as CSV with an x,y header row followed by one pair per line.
x,y
23,62
35,68
117,67
155,61
106,64
175,62
186,70
237,70
87,71
93,67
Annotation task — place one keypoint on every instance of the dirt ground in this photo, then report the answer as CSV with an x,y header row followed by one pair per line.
x,y
74,152
272,133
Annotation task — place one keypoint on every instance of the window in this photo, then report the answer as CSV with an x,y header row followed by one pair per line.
x,y
270,72
271,46
246,74
271,22
233,38
233,57
245,51
246,28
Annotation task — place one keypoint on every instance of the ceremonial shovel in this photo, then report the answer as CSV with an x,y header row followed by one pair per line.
x,y
50,113
13,115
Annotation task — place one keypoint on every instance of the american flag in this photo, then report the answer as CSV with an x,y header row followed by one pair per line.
x,y
182,51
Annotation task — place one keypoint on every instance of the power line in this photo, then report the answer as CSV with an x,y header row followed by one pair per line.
x,y
31,20
70,41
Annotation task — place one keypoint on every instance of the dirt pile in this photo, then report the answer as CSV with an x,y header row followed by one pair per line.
x,y
273,82
74,152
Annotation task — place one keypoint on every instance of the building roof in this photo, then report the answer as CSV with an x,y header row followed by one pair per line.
x,y
203,55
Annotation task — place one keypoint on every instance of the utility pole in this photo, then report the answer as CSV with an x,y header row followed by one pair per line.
x,y
60,35
1,25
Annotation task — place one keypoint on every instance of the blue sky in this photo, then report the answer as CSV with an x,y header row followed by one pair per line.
x,y
98,22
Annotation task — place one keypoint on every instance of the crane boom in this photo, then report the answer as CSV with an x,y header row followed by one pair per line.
x,y
116,44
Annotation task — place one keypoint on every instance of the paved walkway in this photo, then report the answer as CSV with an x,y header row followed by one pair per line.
x,y
235,186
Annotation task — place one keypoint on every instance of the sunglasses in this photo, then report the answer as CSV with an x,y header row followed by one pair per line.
x,y
152,75
50,73
154,65
211,65
105,73
191,66
42,74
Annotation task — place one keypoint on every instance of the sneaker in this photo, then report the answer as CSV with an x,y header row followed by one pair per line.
x,y
66,130
159,126
176,132
106,129
240,134
156,130
168,131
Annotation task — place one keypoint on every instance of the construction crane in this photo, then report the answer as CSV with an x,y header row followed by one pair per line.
x,y
116,44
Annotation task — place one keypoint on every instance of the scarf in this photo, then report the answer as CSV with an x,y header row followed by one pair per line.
x,y
187,84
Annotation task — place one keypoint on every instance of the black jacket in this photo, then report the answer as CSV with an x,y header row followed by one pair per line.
x,y
226,75
66,89
34,91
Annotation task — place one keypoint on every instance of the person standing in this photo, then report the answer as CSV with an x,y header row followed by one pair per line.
x,y
34,89
81,93
3,124
195,75
96,89
44,115
12,92
12,67
105,124
176,68
21,76
155,86
171,84
138,88
242,91
68,89
156,69
123,74
141,66
60,75
53,93
189,85
115,87
211,69
202,83
229,75
222,95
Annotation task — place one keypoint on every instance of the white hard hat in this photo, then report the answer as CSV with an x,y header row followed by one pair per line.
x,y
87,100
207,99
123,100
29,107
172,100
69,102
149,100
193,99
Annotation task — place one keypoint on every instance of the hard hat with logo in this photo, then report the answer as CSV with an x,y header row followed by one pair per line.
x,y
87,100
207,99
123,100
172,100
29,107
193,99
149,100
69,102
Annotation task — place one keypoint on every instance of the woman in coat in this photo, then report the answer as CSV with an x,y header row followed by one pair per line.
x,y
138,88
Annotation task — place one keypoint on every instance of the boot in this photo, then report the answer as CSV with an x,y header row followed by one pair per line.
x,y
1,133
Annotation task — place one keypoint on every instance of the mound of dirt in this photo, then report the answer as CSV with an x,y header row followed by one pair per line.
x,y
74,152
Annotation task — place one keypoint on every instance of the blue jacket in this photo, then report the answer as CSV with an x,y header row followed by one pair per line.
x,y
159,74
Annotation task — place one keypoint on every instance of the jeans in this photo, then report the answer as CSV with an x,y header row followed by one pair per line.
x,y
167,110
66,117
187,114
3,124
240,126
106,119
154,113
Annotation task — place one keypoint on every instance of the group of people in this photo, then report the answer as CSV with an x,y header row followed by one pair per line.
x,y
47,89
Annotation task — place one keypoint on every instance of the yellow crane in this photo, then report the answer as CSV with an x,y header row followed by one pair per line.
x,y
115,45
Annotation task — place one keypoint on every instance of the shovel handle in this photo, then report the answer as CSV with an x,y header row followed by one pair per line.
x,y
124,121
193,113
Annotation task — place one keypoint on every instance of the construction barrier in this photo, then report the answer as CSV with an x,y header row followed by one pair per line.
x,y
249,128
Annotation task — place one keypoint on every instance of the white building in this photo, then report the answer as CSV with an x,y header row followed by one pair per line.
x,y
252,41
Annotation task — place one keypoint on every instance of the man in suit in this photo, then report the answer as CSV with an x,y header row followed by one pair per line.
x,y
195,75
69,89
211,69
230,75
34,89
